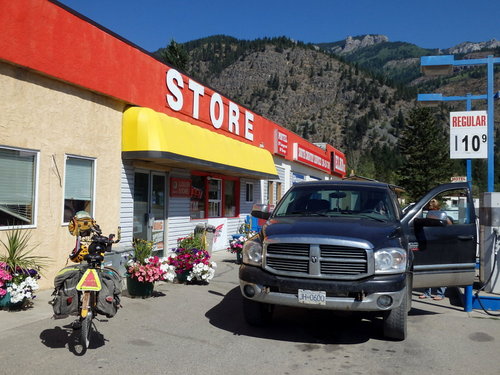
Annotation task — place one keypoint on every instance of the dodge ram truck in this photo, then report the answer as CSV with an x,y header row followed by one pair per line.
x,y
348,246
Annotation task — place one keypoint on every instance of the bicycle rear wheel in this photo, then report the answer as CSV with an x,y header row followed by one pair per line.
x,y
85,331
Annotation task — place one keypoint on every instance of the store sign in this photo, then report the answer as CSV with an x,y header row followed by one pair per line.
x,y
196,101
180,187
459,179
339,164
311,158
280,142
469,135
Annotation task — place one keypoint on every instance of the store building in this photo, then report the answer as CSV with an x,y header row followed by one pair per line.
x,y
90,121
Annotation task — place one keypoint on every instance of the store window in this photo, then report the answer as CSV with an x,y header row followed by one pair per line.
x,y
279,191
198,197
78,186
214,196
18,176
270,192
229,198
248,192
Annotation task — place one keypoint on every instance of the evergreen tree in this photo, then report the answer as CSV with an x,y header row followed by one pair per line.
x,y
175,55
424,147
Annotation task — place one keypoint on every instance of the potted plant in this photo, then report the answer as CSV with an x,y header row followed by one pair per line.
x,y
19,270
143,269
236,244
191,261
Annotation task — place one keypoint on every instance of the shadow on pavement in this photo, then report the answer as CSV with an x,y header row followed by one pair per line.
x,y
296,324
65,336
452,301
156,294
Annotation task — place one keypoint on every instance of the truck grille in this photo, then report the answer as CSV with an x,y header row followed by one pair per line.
x,y
327,261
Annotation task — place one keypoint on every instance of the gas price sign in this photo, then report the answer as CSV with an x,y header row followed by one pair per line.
x,y
469,135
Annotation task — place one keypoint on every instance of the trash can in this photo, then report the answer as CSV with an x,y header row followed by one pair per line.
x,y
199,229
116,259
209,238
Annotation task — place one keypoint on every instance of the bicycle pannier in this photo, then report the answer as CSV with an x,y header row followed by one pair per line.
x,y
65,301
108,299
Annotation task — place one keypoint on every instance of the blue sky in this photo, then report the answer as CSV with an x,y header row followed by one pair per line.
x,y
151,24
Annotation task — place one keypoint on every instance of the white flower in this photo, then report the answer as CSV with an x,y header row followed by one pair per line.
x,y
202,272
25,289
168,272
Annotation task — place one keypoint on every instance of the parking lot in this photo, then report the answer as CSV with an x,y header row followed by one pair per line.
x,y
199,329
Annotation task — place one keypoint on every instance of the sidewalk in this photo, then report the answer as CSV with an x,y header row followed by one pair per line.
x,y
39,311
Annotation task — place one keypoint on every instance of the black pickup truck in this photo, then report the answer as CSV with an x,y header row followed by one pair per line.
x,y
348,245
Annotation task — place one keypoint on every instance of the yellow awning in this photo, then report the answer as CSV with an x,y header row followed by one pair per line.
x,y
154,136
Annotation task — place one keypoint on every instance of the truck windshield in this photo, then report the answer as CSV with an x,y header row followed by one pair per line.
x,y
320,200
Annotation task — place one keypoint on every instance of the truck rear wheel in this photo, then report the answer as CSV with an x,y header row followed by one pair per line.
x,y
396,321
256,313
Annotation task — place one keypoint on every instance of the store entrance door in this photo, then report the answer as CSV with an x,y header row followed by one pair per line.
x,y
150,208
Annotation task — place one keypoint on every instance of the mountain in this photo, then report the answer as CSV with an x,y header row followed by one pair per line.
x,y
353,44
353,94
469,47
398,61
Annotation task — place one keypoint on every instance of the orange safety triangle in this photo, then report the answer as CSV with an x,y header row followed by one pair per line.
x,y
89,281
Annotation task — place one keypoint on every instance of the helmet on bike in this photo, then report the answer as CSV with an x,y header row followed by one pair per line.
x,y
81,224
78,254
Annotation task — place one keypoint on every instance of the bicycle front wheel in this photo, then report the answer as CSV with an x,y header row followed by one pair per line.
x,y
85,331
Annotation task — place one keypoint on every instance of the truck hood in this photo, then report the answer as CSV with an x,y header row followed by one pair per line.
x,y
378,233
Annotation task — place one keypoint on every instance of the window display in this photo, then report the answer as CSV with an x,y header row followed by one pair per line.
x,y
213,196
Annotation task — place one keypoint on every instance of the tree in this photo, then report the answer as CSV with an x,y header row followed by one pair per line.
x,y
175,55
424,147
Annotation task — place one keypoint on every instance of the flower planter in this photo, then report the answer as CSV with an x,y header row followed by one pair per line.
x,y
138,288
238,257
5,303
5,300
182,277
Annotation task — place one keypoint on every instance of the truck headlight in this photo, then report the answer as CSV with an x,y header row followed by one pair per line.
x,y
252,253
390,260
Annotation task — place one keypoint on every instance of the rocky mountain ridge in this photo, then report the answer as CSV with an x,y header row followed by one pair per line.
x,y
352,44
469,47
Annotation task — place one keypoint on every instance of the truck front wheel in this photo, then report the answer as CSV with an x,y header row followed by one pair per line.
x,y
396,321
256,313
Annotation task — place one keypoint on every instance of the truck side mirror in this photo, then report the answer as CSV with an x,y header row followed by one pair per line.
x,y
262,211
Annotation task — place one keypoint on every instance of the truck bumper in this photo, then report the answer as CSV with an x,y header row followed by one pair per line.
x,y
369,294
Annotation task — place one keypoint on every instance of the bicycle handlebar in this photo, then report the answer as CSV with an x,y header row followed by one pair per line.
x,y
108,241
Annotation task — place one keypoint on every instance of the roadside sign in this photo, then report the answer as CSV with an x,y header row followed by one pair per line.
x,y
469,135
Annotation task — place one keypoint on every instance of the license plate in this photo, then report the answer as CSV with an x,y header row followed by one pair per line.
x,y
312,297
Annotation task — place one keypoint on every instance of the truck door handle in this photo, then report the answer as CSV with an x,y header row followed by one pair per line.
x,y
466,238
